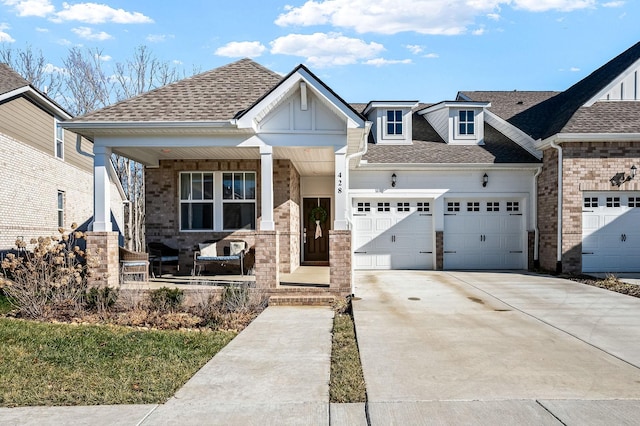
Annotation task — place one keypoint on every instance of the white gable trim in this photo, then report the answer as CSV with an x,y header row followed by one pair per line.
x,y
513,133
252,117
616,81
42,101
587,137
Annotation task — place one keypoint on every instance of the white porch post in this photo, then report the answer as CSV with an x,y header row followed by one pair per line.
x,y
266,185
101,189
340,191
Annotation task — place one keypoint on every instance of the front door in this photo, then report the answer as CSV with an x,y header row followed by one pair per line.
x,y
315,236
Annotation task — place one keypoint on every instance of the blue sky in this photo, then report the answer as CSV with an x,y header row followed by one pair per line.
x,y
423,50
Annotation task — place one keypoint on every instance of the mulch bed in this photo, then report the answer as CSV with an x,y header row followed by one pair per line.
x,y
610,283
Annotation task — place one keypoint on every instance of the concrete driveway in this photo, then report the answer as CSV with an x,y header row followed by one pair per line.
x,y
487,348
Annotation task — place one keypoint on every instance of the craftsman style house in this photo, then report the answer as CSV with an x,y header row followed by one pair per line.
x,y
492,180
46,171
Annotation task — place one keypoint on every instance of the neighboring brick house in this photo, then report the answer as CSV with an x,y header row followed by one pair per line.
x,y
46,171
283,163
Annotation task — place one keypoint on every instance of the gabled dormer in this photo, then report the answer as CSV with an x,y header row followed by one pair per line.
x,y
458,122
391,121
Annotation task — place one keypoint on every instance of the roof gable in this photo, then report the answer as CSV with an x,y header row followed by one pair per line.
x,y
10,80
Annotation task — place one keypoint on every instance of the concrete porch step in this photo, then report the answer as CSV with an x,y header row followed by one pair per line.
x,y
302,300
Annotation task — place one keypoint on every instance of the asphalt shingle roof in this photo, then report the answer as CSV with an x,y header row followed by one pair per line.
x,y
215,95
429,148
10,80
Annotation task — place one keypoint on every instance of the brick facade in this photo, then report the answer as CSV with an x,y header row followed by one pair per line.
x,y
340,262
267,259
163,216
587,166
31,180
104,247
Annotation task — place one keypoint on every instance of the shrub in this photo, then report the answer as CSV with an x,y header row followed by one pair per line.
x,y
101,299
166,299
52,276
235,298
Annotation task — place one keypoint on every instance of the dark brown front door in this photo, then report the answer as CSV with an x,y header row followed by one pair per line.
x,y
316,241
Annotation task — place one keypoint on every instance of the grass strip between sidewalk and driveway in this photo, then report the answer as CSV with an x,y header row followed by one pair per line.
x,y
62,364
347,381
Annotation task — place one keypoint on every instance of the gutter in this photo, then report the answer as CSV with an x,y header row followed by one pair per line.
x,y
554,145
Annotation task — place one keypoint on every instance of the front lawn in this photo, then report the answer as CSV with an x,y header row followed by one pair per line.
x,y
5,306
62,364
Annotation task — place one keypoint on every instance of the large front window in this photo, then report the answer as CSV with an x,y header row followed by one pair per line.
x,y
196,201
239,200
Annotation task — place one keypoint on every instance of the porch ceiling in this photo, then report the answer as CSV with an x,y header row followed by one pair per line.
x,y
308,161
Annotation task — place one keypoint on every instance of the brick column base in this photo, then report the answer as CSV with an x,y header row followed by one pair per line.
x,y
267,259
439,250
103,246
340,262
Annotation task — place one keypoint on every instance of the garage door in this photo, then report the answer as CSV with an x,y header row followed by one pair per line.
x,y
392,234
484,234
611,232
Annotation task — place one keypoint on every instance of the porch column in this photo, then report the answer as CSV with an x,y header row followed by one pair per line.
x,y
340,191
266,185
101,189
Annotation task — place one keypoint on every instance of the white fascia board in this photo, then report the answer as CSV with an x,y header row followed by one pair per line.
x,y
290,84
389,104
447,166
587,137
504,127
613,83
454,104
108,125
37,96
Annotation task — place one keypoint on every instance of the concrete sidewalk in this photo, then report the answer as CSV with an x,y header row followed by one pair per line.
x,y
276,372
491,348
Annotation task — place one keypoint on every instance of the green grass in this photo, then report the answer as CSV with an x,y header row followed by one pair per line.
x,y
61,364
347,381
5,306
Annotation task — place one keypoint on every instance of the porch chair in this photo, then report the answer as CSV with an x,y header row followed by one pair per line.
x,y
133,265
208,253
160,253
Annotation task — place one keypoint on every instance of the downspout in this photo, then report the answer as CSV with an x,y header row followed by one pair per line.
x,y
559,250
365,137
536,230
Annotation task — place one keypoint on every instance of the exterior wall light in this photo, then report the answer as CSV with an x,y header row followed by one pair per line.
x,y
633,171
620,178
485,180
393,180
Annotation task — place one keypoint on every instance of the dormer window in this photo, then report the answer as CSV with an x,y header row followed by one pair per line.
x,y
394,122
466,123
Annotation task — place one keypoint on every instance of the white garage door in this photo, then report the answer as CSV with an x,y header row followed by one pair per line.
x,y
392,234
611,232
484,234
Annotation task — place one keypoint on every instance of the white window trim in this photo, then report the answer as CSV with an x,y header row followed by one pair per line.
x,y
385,122
60,209
239,201
456,124
218,201
56,127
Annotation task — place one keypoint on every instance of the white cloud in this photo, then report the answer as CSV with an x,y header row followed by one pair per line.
x,y
241,49
414,48
561,5
493,16
613,4
94,13
325,50
379,62
159,38
64,42
40,8
4,35
176,62
478,32
42,30
574,69
435,17
88,34
52,69
431,55
104,58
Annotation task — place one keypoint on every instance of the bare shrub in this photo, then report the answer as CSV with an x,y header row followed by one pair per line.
x,y
52,276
